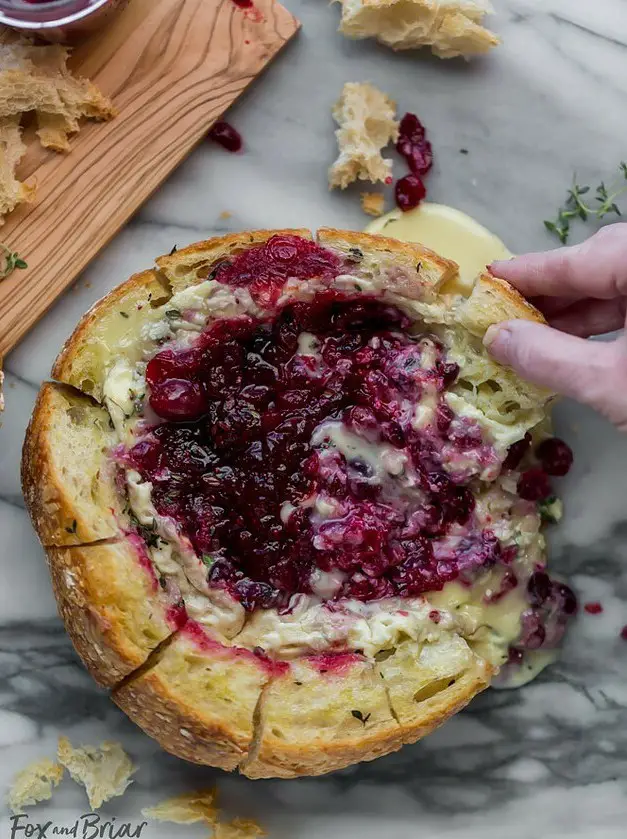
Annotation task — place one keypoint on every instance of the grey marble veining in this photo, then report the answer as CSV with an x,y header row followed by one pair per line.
x,y
549,760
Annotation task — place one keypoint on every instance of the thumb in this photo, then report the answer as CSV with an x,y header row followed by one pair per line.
x,y
592,372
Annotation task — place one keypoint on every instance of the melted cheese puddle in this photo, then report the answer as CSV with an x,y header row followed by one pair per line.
x,y
447,231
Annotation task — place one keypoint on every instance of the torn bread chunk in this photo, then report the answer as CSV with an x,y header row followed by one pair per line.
x,y
366,122
12,190
34,783
35,78
450,28
105,771
238,829
373,203
188,808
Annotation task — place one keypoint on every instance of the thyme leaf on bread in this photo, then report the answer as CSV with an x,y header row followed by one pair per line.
x,y
12,260
359,716
576,205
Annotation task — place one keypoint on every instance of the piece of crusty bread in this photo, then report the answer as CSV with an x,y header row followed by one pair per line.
x,y
105,771
35,77
12,191
450,28
208,702
33,784
365,117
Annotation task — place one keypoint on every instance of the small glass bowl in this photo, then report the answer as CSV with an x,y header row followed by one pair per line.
x,y
58,20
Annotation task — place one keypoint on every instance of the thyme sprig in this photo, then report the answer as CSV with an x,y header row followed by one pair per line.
x,y
12,260
576,207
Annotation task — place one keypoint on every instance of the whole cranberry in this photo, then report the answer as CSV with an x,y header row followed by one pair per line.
x,y
226,136
534,485
419,158
409,192
539,588
556,456
516,452
178,400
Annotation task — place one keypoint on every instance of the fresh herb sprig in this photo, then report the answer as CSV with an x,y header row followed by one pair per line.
x,y
576,207
12,260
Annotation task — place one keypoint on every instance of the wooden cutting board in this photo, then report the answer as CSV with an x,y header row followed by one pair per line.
x,y
172,67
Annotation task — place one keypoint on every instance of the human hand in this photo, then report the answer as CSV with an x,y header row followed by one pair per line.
x,y
582,291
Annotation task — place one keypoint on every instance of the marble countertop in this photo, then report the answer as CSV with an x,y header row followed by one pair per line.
x,y
549,760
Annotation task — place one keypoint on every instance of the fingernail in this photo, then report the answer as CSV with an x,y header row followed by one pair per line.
x,y
497,340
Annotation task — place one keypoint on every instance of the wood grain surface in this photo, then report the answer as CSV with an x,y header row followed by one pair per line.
x,y
172,67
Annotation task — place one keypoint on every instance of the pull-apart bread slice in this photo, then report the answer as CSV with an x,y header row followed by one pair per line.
x,y
276,479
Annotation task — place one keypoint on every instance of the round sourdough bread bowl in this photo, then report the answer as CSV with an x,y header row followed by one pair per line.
x,y
276,480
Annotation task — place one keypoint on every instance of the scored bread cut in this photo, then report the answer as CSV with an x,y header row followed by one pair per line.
x,y
315,720
193,689
198,702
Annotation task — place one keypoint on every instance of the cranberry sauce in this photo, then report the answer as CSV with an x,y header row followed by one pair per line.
x,y
235,466
552,604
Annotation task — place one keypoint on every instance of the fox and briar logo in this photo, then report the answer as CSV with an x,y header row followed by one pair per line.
x,y
87,826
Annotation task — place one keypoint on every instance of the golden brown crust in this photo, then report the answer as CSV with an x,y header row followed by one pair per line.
x,y
493,300
199,704
110,328
193,264
315,721
111,607
69,494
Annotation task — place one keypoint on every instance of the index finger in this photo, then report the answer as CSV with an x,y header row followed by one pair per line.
x,y
595,268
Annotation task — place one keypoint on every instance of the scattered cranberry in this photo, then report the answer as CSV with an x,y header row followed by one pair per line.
x,y
223,133
409,192
416,149
623,633
244,4
435,616
594,608
556,456
534,485
516,452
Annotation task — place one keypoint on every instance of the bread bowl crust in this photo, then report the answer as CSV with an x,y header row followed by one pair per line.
x,y
175,701
59,514
110,606
143,681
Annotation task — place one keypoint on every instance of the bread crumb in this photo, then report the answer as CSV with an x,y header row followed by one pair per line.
x,y
12,191
450,27
225,214
36,78
189,808
373,203
238,829
105,771
366,122
34,783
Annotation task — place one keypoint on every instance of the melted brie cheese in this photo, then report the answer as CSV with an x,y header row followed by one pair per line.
x,y
448,232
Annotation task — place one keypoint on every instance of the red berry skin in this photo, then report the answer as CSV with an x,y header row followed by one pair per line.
x,y
226,136
623,633
409,192
534,485
593,608
556,456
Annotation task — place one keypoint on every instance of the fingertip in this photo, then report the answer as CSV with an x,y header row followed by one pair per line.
x,y
497,340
